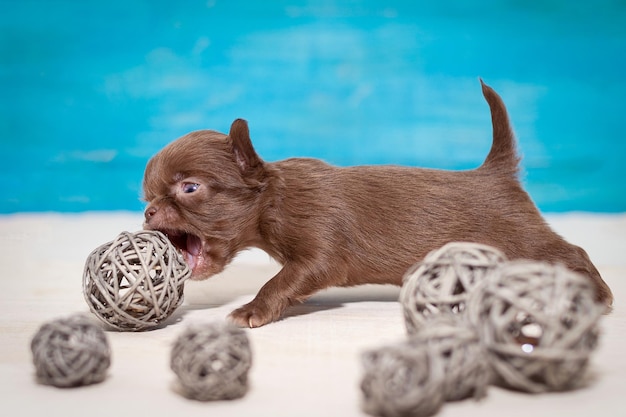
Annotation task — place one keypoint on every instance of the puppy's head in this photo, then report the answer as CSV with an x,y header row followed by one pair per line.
x,y
203,192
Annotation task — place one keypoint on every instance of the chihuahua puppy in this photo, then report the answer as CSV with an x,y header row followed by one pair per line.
x,y
213,196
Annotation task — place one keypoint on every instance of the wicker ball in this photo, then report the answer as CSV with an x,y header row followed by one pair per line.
x,y
399,380
136,281
455,343
70,352
212,362
441,283
539,323
442,362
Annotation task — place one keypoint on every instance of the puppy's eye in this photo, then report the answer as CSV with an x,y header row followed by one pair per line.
x,y
190,187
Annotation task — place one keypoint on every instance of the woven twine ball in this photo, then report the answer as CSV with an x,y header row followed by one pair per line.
x,y
441,283
452,341
212,362
136,281
539,323
442,362
399,380
70,352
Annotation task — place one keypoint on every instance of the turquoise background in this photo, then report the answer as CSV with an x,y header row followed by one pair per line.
x,y
89,90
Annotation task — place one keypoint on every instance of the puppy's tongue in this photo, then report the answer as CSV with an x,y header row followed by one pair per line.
x,y
194,245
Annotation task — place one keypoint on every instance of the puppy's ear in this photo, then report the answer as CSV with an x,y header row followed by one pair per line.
x,y
245,155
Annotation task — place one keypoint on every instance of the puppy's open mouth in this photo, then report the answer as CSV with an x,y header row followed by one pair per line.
x,y
191,247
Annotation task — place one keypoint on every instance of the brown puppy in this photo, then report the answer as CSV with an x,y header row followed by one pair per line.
x,y
329,226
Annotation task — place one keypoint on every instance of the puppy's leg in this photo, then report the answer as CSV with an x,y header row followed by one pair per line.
x,y
293,284
578,260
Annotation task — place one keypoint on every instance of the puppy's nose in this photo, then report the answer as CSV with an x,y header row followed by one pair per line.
x,y
150,212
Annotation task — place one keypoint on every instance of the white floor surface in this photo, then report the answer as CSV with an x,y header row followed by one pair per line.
x,y
304,365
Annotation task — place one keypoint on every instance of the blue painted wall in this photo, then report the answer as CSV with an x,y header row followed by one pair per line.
x,y
89,90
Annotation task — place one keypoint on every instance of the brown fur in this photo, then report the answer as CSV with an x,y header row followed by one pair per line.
x,y
332,226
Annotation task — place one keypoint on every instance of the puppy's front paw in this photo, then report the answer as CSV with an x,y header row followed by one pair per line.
x,y
253,314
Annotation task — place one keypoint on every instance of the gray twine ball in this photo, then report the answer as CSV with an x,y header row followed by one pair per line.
x,y
441,283
135,281
442,362
70,352
539,324
212,362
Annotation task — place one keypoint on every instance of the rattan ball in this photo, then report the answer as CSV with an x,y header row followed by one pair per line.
x,y
441,283
400,380
539,324
136,281
452,341
444,361
70,352
212,362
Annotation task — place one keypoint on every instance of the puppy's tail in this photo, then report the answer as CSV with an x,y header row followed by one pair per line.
x,y
503,155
